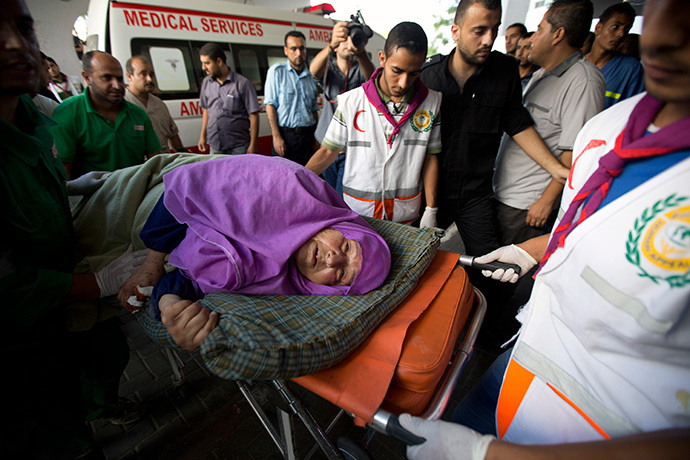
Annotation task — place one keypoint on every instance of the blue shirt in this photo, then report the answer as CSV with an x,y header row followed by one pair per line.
x,y
624,77
293,95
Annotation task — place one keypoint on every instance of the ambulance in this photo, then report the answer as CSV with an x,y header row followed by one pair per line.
x,y
171,32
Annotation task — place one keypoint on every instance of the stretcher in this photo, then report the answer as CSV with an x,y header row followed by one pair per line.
x,y
410,363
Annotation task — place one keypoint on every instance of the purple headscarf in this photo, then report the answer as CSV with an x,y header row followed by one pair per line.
x,y
248,214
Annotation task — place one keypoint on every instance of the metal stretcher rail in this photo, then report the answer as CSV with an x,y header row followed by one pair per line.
x,y
283,437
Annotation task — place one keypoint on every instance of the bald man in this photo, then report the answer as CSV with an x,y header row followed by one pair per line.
x,y
141,83
99,130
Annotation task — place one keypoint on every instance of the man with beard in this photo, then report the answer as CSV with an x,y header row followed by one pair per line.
x,y
291,102
624,75
142,83
230,122
98,130
482,99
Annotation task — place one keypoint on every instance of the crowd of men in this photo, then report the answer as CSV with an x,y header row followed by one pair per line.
x,y
501,145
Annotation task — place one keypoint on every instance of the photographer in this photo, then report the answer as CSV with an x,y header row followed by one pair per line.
x,y
349,70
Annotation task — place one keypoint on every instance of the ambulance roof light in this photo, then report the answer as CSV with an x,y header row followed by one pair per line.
x,y
322,8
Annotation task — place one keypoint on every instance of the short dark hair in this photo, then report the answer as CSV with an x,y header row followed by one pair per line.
x,y
520,26
213,51
463,6
408,35
48,58
526,35
128,64
618,8
296,34
575,16
86,60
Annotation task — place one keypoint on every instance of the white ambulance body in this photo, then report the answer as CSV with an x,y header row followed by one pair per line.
x,y
170,33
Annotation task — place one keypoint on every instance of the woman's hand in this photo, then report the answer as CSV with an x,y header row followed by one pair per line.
x,y
187,322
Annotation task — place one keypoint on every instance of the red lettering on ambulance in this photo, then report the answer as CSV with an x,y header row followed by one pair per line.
x,y
214,26
204,25
252,30
231,26
193,109
155,20
191,24
261,32
243,28
144,17
183,23
223,25
170,21
131,18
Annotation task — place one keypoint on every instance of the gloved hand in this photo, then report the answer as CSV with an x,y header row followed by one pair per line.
x,y
86,184
510,254
116,272
428,218
445,440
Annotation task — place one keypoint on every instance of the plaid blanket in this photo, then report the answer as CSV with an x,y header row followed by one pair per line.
x,y
278,337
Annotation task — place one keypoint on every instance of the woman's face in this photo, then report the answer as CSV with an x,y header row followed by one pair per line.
x,y
329,258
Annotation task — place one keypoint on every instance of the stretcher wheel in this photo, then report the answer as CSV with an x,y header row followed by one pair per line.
x,y
350,450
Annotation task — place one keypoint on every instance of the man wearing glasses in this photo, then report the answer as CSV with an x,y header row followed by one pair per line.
x,y
291,102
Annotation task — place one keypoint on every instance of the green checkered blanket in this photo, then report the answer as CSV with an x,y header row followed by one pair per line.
x,y
278,337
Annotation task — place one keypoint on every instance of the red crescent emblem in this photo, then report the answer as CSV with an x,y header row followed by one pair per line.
x,y
354,122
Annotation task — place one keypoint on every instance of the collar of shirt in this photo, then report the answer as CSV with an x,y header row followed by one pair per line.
x,y
229,79
405,99
557,71
121,113
18,142
302,74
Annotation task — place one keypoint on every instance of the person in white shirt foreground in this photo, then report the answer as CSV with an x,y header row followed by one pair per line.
x,y
601,368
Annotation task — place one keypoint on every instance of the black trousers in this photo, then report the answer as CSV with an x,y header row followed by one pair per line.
x,y
299,143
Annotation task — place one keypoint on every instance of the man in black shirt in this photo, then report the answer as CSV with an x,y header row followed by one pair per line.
x,y
482,99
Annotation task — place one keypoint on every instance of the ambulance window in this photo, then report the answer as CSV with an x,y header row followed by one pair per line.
x,y
176,75
169,65
248,66
274,56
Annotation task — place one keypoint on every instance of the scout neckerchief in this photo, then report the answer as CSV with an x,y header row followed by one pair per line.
x,y
372,94
631,144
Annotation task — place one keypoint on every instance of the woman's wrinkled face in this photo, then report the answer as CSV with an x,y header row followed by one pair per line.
x,y
329,258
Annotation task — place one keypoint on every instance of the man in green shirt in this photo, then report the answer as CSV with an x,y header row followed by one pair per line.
x,y
99,130
52,376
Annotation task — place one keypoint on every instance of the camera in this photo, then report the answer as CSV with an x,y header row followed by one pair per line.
x,y
359,31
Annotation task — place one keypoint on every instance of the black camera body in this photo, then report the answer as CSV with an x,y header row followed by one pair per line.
x,y
359,31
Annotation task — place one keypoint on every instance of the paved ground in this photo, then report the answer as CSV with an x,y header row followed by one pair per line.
x,y
208,418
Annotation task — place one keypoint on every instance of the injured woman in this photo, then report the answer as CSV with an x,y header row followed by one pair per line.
x,y
251,224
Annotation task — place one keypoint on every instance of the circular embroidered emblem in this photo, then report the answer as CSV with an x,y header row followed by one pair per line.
x,y
422,120
660,242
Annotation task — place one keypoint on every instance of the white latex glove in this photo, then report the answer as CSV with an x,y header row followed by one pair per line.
x,y
86,184
118,271
428,218
510,254
445,440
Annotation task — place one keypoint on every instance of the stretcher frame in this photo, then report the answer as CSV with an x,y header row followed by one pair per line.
x,y
289,405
